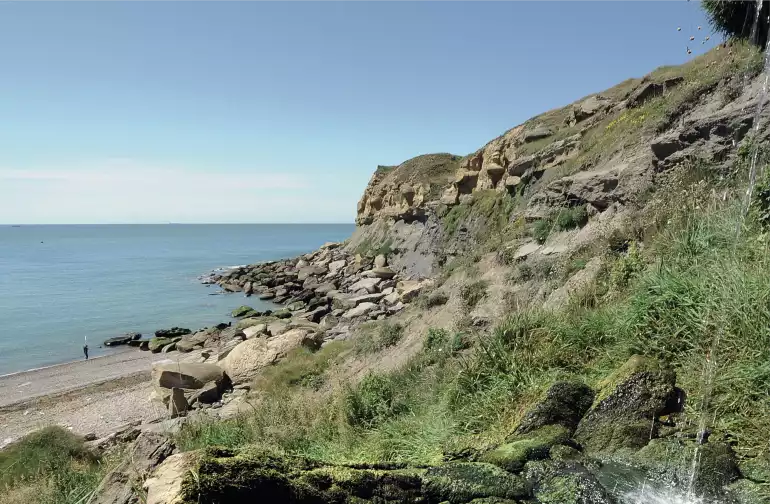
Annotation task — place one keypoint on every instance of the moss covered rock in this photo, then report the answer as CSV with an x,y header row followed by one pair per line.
x,y
566,483
243,311
671,460
564,404
156,344
628,405
460,482
745,491
756,469
246,475
534,445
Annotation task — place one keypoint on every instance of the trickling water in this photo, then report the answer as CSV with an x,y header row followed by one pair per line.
x,y
710,366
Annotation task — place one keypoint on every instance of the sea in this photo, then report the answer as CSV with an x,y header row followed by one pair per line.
x,y
62,286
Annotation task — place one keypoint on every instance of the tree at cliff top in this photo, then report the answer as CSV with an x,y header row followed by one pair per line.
x,y
736,19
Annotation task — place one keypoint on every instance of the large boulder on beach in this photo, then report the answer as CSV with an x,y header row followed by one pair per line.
x,y
172,333
247,359
186,375
122,340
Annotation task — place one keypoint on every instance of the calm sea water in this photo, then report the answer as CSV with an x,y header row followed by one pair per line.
x,y
62,284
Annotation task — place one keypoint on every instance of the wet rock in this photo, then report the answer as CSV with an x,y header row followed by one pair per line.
x,y
566,482
458,482
156,345
534,445
122,340
172,333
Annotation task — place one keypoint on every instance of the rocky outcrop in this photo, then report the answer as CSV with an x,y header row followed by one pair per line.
x,y
630,402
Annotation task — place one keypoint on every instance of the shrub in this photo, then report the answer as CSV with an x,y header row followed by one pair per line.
x,y
626,267
371,401
69,472
569,218
472,293
436,298
541,229
386,335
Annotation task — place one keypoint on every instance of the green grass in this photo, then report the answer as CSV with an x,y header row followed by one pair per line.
x,y
379,336
695,281
302,367
472,293
53,464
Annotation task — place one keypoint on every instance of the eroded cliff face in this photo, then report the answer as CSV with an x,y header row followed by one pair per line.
x,y
605,152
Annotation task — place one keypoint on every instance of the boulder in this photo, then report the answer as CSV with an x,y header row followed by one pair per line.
x,y
383,272
459,482
281,478
309,271
242,311
172,333
120,485
328,322
537,134
277,327
336,266
186,375
359,310
249,357
156,345
409,289
267,295
190,341
255,330
367,284
165,485
520,449
717,464
380,261
208,394
650,89
566,482
316,315
122,340
325,288
177,403
563,404
392,298
365,298
282,314
628,405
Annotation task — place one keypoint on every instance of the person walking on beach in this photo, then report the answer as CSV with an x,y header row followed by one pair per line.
x,y
85,351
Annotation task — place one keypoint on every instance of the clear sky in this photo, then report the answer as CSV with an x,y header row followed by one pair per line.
x,y
280,112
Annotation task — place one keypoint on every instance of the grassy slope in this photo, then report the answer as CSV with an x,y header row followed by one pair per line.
x,y
668,299
50,466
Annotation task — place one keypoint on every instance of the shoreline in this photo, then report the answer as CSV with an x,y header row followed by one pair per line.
x,y
118,350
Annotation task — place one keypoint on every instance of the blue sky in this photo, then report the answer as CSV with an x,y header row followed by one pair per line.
x,y
280,112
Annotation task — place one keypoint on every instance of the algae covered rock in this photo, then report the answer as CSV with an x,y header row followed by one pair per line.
x,y
566,483
460,482
229,476
671,460
564,404
251,475
243,311
745,491
534,445
155,345
628,405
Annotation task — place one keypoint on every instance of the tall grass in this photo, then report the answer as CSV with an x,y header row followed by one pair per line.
x,y
50,466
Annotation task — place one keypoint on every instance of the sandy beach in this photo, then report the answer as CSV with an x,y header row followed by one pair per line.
x,y
95,396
